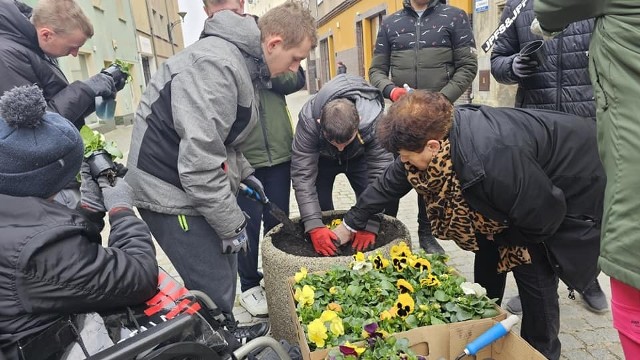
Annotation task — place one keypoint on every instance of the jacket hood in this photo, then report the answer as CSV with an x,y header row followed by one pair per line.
x,y
242,31
15,24
368,99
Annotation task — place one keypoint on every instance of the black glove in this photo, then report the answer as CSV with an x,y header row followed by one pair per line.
x,y
119,77
102,85
255,184
90,193
234,244
120,195
523,66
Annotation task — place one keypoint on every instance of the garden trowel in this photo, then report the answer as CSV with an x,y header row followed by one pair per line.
x,y
288,225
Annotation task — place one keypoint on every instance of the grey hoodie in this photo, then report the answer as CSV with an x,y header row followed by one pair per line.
x,y
194,115
309,144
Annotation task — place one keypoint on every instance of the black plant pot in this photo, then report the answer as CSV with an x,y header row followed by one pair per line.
x,y
101,163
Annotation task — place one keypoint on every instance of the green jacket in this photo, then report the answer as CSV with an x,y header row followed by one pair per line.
x,y
435,51
614,65
269,143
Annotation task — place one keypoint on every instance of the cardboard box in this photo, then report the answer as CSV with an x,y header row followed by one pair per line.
x,y
437,341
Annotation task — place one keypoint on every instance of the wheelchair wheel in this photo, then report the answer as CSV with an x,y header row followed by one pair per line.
x,y
183,351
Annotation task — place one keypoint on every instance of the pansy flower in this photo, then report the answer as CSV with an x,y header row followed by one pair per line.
x,y
422,265
404,286
304,296
379,262
399,263
405,305
334,307
400,250
317,332
351,350
300,274
430,280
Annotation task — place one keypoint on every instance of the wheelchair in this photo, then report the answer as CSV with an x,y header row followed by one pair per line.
x,y
176,324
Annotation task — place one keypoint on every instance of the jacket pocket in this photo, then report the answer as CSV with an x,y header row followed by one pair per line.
x,y
574,249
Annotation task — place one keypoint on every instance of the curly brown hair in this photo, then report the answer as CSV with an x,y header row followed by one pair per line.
x,y
414,119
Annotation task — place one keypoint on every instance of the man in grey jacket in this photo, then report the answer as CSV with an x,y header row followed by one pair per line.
x,y
185,165
336,134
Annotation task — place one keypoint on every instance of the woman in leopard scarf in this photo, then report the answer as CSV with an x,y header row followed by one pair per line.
x,y
520,188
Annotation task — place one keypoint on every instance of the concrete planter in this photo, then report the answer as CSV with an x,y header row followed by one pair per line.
x,y
283,256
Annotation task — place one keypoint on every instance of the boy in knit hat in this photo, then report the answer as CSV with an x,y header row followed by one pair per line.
x,y
52,263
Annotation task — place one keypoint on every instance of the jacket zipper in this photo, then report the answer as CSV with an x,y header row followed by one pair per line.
x,y
417,45
559,72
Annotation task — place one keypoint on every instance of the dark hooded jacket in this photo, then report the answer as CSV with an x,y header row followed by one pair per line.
x,y
22,62
309,144
53,264
534,171
435,51
562,83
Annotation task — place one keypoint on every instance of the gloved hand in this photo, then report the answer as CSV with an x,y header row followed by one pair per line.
x,y
255,184
523,66
102,85
120,195
323,239
396,93
363,240
90,193
234,244
536,29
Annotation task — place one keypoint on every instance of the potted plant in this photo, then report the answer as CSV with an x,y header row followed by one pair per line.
x,y
99,154
397,293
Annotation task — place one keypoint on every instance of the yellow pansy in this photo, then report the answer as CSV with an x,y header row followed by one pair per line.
x,y
359,256
333,290
404,286
400,250
317,332
328,315
379,262
336,327
430,280
399,263
405,305
422,265
304,296
386,315
300,274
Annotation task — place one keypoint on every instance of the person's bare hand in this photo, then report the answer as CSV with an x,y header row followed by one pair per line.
x,y
344,234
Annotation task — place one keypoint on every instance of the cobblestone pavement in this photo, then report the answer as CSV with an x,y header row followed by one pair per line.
x,y
584,335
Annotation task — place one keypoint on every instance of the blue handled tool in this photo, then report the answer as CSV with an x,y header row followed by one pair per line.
x,y
494,333
274,210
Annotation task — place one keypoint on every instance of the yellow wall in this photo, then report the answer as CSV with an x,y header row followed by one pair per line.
x,y
466,5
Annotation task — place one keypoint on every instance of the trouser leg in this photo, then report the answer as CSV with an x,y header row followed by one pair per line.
x,y
538,289
196,253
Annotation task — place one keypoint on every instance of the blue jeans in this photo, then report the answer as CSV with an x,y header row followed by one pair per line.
x,y
277,186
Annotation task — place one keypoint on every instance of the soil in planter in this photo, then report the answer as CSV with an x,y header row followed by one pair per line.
x,y
301,246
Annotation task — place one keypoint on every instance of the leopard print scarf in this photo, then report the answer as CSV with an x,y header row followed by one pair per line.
x,y
450,215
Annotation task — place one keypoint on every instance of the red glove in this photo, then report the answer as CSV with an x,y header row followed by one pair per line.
x,y
323,241
363,240
396,93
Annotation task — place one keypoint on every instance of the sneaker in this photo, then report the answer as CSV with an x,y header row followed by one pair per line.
x,y
254,301
262,283
514,305
430,245
595,299
244,334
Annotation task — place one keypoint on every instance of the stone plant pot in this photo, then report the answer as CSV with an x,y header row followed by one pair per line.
x,y
283,255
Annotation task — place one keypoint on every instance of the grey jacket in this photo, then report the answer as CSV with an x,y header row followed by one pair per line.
x,y
309,144
192,119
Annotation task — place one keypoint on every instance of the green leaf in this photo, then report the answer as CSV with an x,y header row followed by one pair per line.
x,y
441,296
111,148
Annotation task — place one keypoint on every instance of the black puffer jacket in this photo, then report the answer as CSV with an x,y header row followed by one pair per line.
x,y
309,144
528,169
52,263
562,83
22,62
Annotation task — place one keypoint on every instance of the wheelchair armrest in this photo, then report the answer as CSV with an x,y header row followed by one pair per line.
x,y
146,340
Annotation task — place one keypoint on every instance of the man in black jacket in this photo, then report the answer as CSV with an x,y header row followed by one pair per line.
x,y
31,42
426,45
561,83
335,134
52,262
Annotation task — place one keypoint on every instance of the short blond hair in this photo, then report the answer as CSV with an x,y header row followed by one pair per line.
x,y
61,16
292,21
